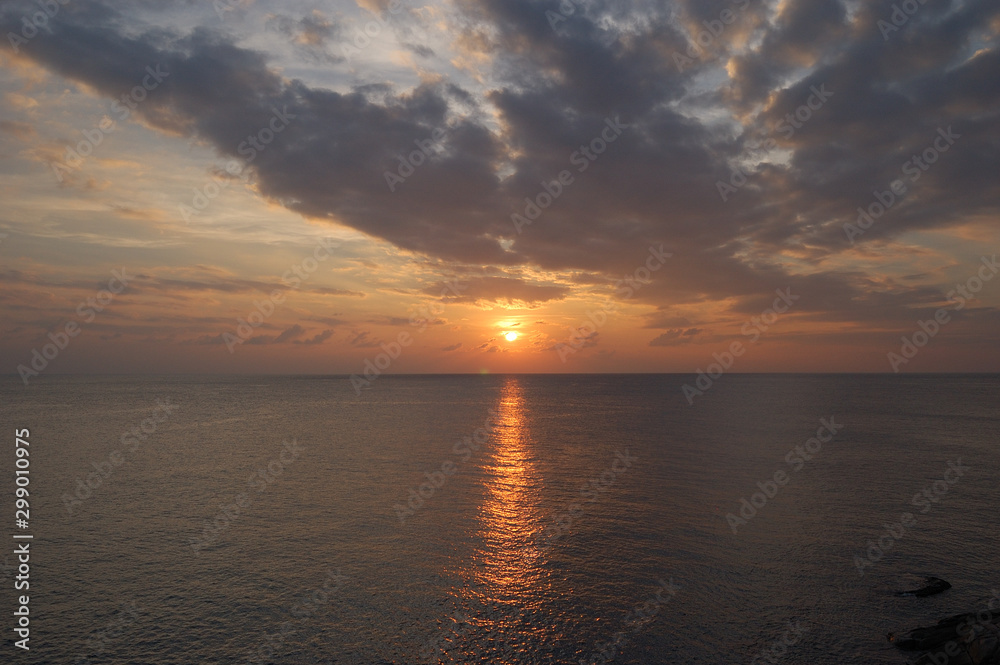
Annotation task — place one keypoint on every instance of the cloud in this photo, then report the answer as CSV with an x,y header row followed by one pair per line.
x,y
20,130
452,347
675,337
543,99
310,34
290,334
503,290
319,338
362,340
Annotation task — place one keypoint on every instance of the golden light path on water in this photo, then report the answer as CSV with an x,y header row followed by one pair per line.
x,y
504,586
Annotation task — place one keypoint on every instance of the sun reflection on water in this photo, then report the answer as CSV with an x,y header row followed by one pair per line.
x,y
508,515
504,588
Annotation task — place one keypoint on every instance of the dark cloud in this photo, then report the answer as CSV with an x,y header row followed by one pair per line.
x,y
363,339
675,337
553,93
319,338
286,336
290,334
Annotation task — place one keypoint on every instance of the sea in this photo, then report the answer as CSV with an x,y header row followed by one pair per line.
x,y
505,519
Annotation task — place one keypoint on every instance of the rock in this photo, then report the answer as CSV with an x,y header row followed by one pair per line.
x,y
964,639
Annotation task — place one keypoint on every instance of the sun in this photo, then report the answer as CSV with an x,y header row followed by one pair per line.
x,y
511,336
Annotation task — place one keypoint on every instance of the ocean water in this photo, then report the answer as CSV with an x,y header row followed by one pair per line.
x,y
498,519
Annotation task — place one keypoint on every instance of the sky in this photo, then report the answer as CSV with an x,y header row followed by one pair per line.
x,y
249,186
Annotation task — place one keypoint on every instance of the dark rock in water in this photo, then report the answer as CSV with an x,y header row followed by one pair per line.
x,y
964,639
932,585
